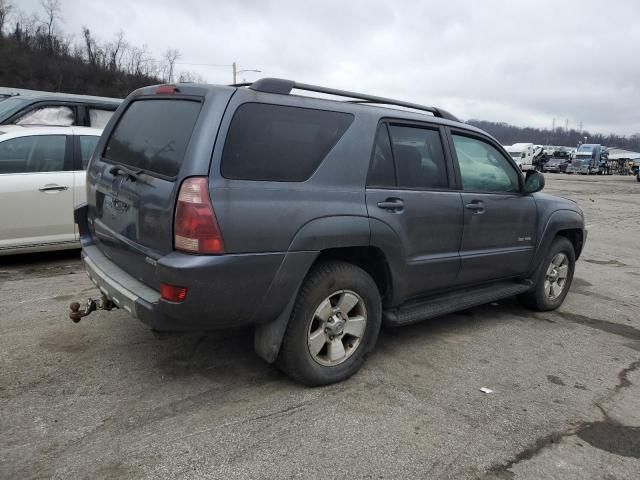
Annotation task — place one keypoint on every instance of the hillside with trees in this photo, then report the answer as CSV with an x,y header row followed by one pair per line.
x,y
36,54
509,134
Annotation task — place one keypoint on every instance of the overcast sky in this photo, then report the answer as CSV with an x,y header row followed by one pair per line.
x,y
521,62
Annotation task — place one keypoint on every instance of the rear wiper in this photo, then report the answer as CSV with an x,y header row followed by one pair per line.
x,y
121,169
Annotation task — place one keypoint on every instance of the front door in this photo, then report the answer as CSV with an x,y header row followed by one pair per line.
x,y
499,221
409,192
36,192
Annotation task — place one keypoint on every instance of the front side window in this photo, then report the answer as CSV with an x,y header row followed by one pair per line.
x,y
43,153
419,157
483,168
87,146
280,143
59,115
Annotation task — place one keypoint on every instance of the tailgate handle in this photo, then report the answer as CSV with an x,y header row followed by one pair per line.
x,y
52,187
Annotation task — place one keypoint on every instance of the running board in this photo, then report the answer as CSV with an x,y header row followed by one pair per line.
x,y
452,302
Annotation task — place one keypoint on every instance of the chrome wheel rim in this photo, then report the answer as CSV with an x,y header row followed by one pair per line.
x,y
337,328
555,279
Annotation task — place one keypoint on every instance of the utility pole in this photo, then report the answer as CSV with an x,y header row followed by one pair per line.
x,y
566,124
235,72
553,125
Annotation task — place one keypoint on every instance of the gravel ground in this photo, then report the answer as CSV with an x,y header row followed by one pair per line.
x,y
106,399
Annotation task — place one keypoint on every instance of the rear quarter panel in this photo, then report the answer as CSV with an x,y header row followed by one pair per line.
x,y
265,216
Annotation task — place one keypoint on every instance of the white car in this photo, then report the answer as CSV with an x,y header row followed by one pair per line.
x,y
42,178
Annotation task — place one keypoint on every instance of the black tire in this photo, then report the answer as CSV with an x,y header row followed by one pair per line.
x,y
295,358
536,299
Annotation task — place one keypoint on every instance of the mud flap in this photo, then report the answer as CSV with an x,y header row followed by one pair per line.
x,y
267,337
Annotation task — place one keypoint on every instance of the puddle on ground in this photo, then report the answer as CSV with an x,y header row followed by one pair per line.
x,y
612,437
555,380
617,263
626,331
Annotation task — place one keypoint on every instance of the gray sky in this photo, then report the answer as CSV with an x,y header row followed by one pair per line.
x,y
521,62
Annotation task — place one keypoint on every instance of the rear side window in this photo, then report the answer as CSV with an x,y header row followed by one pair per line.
x,y
152,135
279,143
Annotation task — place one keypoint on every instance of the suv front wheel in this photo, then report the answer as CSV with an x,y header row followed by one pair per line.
x,y
553,278
334,323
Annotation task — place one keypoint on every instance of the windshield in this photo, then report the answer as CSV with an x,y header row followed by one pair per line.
x,y
583,155
10,105
585,148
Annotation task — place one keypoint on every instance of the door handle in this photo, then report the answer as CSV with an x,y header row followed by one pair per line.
x,y
476,206
393,204
53,188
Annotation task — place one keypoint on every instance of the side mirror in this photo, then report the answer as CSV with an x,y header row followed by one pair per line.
x,y
534,182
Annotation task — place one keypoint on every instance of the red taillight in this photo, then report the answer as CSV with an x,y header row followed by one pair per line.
x,y
166,90
195,226
172,293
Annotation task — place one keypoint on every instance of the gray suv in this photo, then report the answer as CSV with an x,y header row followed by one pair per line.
x,y
315,220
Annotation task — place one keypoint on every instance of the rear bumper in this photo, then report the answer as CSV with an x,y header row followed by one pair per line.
x,y
222,292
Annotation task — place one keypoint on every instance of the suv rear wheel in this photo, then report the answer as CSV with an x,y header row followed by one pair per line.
x,y
553,278
334,323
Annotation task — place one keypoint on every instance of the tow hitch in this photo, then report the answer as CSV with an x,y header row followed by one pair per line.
x,y
92,305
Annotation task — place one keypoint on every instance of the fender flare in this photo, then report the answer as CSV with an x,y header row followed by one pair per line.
x,y
313,237
558,220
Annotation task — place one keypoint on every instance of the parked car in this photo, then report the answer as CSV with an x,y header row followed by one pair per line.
x,y
314,220
558,162
31,107
42,178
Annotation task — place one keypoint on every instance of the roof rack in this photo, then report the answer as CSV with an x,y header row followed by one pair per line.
x,y
284,87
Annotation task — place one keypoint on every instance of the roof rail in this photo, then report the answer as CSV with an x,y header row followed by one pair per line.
x,y
284,87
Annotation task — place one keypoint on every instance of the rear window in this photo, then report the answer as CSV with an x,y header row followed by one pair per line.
x,y
152,135
279,143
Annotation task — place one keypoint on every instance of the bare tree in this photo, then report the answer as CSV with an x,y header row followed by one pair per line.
x,y
115,51
52,15
190,77
5,10
169,59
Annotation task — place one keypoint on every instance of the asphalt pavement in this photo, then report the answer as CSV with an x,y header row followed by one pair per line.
x,y
106,399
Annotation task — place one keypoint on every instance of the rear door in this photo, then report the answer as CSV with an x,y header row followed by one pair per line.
x,y
36,191
83,146
132,214
410,190
499,221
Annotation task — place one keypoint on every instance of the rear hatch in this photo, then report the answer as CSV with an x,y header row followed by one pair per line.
x,y
136,172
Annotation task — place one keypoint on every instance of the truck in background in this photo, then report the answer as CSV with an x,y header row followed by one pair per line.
x,y
523,154
589,158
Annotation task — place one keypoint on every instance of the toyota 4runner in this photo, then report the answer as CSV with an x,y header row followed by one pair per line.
x,y
315,220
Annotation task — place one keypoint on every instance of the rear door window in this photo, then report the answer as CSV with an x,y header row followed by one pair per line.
x,y
87,146
381,171
49,115
280,143
420,160
98,117
152,135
